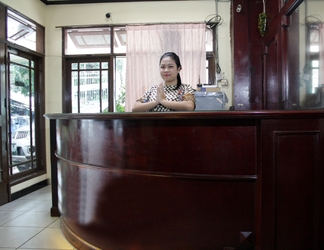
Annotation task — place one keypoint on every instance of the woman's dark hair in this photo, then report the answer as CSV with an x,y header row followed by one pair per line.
x,y
176,59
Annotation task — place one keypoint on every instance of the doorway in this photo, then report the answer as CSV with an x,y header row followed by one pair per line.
x,y
22,122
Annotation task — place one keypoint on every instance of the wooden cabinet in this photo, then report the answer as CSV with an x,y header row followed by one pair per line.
x,y
192,180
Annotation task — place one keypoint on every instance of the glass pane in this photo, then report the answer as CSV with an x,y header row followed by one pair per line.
x,y
22,139
120,84
209,41
19,60
120,40
90,65
315,79
314,48
74,66
104,91
20,31
74,91
87,41
315,63
90,87
89,91
104,65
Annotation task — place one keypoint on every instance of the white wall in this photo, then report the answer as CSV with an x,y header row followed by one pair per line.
x,y
53,16
34,9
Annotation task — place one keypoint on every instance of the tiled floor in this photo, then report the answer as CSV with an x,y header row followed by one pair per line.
x,y
26,223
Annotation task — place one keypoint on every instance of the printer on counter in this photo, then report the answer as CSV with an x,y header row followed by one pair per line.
x,y
208,97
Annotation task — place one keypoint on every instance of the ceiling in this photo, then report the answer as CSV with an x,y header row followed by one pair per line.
x,y
52,2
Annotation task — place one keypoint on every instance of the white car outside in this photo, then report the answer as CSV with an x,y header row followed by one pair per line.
x,y
21,147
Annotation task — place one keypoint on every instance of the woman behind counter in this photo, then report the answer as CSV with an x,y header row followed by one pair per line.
x,y
172,95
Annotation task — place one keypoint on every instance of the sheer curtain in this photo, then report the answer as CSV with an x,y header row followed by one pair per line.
x,y
147,43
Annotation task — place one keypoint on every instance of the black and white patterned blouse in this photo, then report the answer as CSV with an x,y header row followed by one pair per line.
x,y
184,93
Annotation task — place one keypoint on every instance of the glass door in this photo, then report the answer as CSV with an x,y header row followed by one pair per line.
x,y
21,129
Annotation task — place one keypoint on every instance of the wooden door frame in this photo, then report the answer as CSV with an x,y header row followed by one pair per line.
x,y
4,175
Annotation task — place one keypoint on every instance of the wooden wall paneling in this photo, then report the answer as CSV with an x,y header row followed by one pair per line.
x,y
294,187
256,45
267,76
241,56
272,10
272,73
256,93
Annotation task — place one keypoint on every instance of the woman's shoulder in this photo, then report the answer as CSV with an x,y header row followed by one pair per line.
x,y
187,86
153,87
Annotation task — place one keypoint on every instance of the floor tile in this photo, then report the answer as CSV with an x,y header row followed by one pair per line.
x,y
49,238
31,219
21,205
38,195
7,215
26,224
56,223
44,206
16,236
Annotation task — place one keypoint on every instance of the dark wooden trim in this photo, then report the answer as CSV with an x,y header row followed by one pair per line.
x,y
54,209
292,6
3,22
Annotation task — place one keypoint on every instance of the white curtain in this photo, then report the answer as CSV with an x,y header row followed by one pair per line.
x,y
147,43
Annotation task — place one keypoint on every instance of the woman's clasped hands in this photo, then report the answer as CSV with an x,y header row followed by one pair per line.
x,y
160,95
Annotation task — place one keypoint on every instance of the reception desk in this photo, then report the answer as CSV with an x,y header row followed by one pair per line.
x,y
189,180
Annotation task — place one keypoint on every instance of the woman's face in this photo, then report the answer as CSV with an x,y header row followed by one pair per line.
x,y
169,70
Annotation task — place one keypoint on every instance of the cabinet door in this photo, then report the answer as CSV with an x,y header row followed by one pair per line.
x,y
292,184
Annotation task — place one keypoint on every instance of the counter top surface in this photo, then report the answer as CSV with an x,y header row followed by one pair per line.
x,y
264,114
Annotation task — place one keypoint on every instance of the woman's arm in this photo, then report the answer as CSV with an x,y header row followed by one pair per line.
x,y
185,105
180,106
144,106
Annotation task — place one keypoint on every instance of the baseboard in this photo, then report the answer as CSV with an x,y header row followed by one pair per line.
x,y
29,190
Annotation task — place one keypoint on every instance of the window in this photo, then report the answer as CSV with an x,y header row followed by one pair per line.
x,y
94,41
25,33
95,84
24,95
21,31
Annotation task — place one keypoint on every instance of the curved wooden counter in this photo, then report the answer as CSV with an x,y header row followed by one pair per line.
x,y
190,180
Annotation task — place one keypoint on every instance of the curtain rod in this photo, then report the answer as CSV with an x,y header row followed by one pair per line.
x,y
122,24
